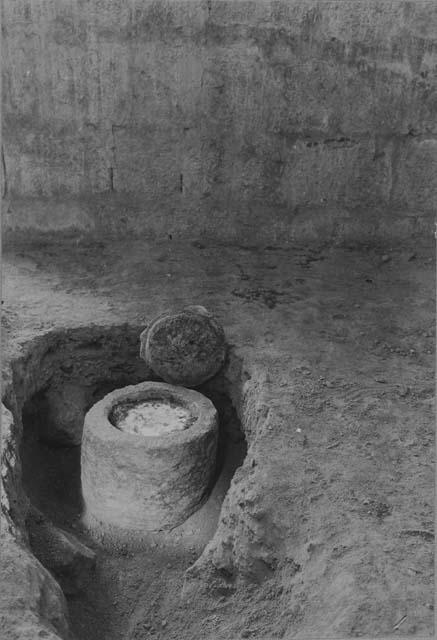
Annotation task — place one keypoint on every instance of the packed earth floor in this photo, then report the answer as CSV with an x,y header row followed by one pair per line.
x,y
327,528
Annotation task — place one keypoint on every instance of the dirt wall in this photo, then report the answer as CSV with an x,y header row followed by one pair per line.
x,y
249,121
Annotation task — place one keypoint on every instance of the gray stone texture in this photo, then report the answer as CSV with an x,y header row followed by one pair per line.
x,y
249,121
186,347
134,484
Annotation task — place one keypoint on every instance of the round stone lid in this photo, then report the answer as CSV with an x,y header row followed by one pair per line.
x,y
184,348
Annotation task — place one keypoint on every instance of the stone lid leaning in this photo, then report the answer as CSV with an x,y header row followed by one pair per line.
x,y
184,347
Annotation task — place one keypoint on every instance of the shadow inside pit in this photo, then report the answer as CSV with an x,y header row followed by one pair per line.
x,y
50,475
52,481
231,447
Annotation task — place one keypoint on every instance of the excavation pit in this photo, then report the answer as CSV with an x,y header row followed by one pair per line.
x,y
148,458
100,361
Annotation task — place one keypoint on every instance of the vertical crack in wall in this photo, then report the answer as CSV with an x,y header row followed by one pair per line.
x,y
112,169
113,159
394,170
5,175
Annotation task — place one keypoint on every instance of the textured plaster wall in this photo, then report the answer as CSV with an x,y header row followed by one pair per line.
x,y
250,121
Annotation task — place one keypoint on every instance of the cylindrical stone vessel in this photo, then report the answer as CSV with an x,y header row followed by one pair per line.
x,y
134,482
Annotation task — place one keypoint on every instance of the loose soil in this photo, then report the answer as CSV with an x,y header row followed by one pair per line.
x,y
327,527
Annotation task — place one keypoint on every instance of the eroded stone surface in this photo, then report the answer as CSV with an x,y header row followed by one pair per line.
x,y
133,485
186,347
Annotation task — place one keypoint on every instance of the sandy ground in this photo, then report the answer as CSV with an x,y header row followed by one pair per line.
x,y
345,340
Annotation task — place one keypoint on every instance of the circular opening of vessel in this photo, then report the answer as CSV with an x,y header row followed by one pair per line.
x,y
150,417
